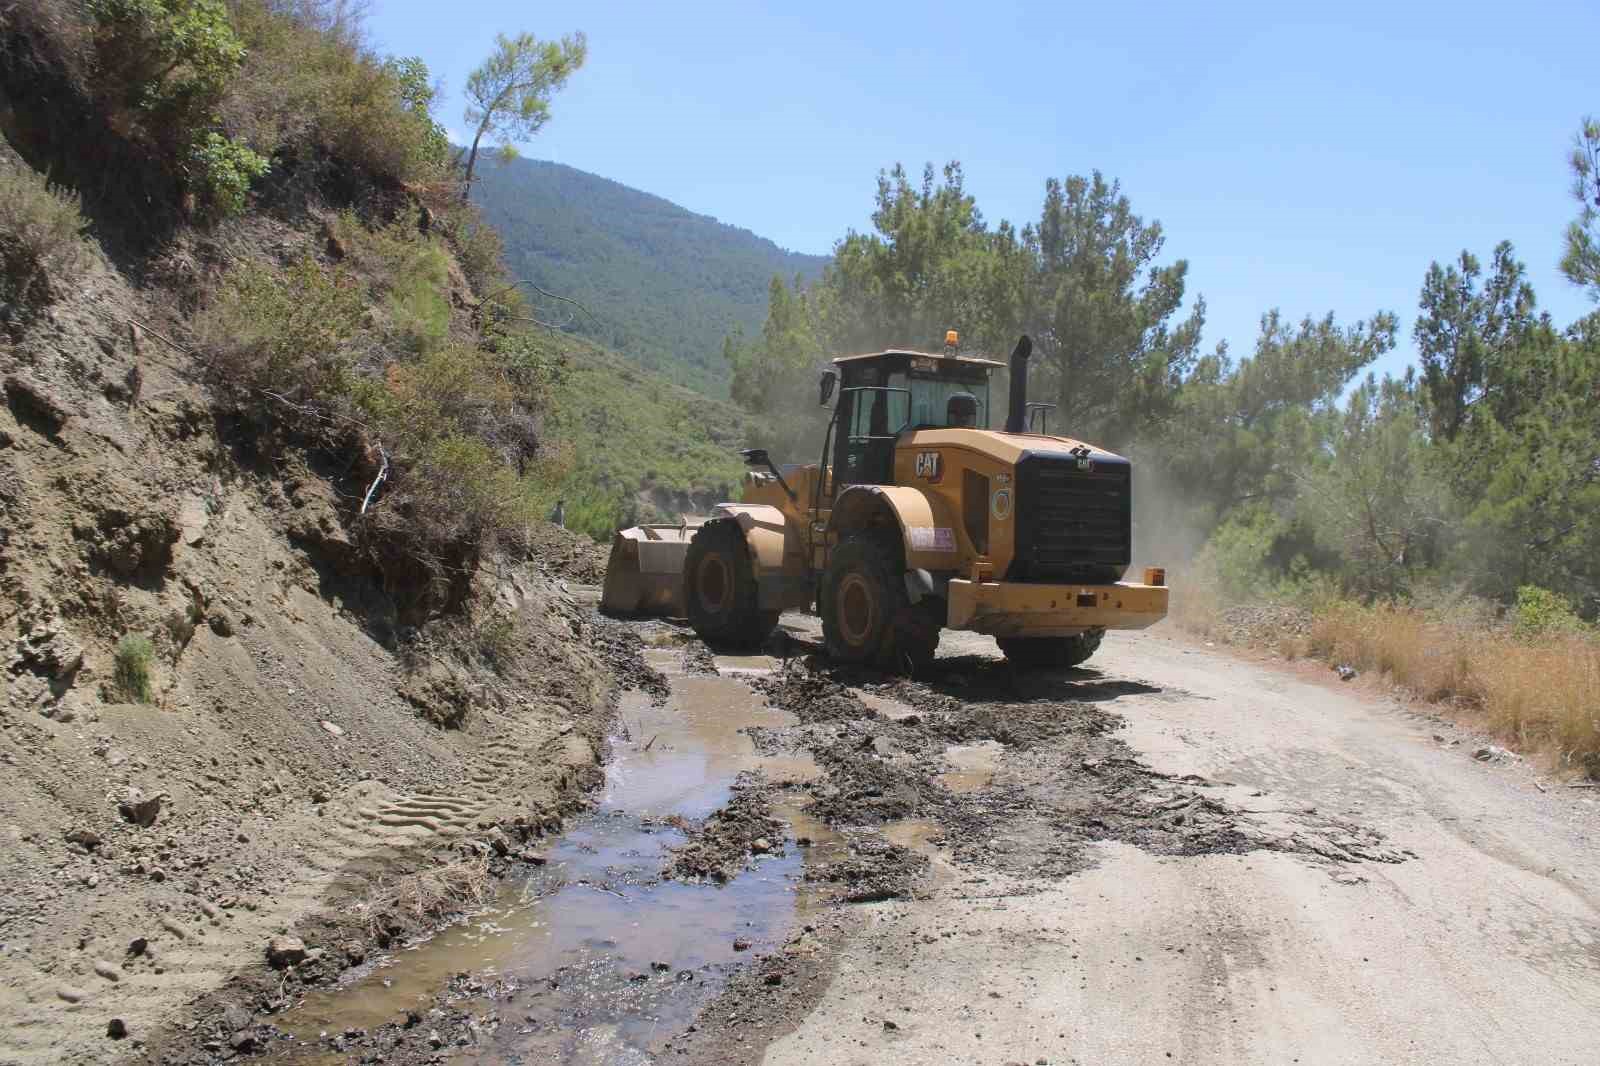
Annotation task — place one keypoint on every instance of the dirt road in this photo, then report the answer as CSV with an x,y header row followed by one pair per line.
x,y
1483,945
1174,856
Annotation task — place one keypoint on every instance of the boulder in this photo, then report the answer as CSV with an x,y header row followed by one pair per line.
x,y
139,807
285,951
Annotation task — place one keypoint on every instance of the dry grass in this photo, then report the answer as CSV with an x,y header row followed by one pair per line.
x,y
429,897
1538,693
41,245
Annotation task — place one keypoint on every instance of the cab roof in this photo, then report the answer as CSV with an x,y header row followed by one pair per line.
x,y
960,360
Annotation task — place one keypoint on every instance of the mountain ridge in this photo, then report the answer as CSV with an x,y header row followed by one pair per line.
x,y
657,282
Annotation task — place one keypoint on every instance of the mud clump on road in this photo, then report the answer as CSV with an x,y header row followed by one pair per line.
x,y
623,651
734,835
811,696
869,779
566,555
698,661
873,870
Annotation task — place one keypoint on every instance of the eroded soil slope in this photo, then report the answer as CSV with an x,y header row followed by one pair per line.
x,y
300,747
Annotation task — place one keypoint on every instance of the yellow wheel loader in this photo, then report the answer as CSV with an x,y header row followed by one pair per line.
x,y
915,520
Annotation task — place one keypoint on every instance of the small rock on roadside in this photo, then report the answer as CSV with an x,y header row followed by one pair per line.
x,y
84,836
116,1028
334,730
285,951
140,807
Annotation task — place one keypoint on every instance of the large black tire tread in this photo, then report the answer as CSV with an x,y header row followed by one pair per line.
x,y
1051,653
719,589
883,629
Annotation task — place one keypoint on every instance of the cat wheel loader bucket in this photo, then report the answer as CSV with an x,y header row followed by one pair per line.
x,y
645,572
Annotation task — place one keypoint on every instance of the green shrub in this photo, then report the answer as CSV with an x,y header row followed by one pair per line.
x,y
285,332
1240,550
309,88
167,64
222,171
1540,612
478,248
41,248
417,303
133,676
595,513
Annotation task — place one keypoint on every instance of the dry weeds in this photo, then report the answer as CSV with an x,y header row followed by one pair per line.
x,y
429,897
1536,693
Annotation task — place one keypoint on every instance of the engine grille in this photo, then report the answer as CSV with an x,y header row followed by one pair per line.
x,y
1072,524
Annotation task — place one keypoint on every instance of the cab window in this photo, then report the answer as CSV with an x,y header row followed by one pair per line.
x,y
930,398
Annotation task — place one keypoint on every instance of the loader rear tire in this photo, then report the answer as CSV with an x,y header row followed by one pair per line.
x,y
868,617
719,589
1047,653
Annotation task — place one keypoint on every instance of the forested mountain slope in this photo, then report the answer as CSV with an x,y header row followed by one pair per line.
x,y
659,283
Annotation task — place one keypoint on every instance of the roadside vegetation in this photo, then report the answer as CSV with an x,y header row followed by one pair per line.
x,y
387,343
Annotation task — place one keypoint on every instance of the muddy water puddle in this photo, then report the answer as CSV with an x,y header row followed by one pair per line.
x,y
606,958
973,766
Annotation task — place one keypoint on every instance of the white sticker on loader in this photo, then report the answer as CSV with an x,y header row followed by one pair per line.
x,y
933,539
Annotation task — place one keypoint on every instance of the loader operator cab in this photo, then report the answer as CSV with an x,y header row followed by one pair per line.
x,y
885,394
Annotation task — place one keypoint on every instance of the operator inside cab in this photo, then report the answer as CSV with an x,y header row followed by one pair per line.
x,y
961,410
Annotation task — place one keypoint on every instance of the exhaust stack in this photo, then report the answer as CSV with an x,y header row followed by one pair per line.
x,y
1017,413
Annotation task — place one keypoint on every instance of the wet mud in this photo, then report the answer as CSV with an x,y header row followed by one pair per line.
x,y
751,809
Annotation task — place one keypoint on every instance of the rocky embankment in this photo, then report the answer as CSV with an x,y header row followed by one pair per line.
x,y
218,727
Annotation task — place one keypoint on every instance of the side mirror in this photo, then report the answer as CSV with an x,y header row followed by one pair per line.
x,y
755,457
829,377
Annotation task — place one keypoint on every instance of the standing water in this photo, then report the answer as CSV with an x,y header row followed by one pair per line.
x,y
607,958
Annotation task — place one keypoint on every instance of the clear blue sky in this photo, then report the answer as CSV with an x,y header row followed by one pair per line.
x,y
1311,161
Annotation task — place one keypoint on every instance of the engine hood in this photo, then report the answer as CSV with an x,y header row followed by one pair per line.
x,y
1009,448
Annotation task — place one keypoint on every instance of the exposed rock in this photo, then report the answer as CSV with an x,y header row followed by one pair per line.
x,y
130,542
35,406
48,650
285,951
84,836
235,1018
116,1028
334,730
139,807
221,622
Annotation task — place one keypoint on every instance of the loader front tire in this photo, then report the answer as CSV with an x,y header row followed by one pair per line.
x,y
867,616
719,589
1050,653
